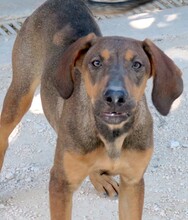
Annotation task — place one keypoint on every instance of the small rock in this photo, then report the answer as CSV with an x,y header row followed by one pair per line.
x,y
81,192
28,179
2,206
156,207
174,144
35,169
185,145
162,213
9,175
169,190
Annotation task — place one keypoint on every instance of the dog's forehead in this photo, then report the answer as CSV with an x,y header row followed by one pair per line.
x,y
107,46
116,40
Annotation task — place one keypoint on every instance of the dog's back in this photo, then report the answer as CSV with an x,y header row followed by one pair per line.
x,y
52,27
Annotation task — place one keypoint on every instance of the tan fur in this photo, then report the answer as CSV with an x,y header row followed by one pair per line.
x,y
131,164
105,54
94,90
136,90
129,55
59,37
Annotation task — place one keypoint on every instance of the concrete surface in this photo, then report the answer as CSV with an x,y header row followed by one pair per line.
x,y
17,8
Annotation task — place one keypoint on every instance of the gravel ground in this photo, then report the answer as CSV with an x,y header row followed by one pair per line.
x,y
25,175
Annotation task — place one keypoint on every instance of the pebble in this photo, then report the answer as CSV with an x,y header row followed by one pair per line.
x,y
9,175
2,206
156,207
35,169
28,179
185,145
174,144
162,213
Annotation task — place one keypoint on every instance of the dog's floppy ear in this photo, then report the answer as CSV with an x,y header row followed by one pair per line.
x,y
167,81
64,78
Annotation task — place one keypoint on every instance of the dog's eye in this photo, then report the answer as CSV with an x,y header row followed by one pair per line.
x,y
96,63
136,65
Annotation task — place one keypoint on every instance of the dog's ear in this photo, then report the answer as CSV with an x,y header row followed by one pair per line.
x,y
64,78
167,81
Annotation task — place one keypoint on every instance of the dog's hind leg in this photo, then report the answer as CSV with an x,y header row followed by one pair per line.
x,y
17,101
104,183
27,69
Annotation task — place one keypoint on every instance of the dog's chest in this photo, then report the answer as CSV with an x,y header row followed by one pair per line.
x,y
113,161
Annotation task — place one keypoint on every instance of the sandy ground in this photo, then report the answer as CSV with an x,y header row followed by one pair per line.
x,y
25,175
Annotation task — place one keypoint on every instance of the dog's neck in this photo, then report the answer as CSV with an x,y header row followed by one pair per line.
x,y
113,136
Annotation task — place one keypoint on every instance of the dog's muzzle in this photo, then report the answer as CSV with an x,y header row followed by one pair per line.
x,y
115,106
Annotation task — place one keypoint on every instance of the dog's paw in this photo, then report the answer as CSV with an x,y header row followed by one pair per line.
x,y
105,184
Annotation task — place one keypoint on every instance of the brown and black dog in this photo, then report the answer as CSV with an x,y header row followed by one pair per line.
x,y
92,91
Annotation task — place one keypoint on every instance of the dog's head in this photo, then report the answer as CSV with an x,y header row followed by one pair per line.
x,y
115,71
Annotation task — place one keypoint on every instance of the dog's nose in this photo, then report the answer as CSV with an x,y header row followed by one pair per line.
x,y
115,97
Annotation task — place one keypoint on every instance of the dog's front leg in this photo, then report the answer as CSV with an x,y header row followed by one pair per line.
x,y
131,197
68,172
60,195
131,191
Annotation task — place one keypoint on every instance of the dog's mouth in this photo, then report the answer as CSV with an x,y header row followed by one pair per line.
x,y
116,114
115,117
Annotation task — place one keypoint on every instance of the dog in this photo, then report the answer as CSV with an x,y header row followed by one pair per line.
x,y
92,92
